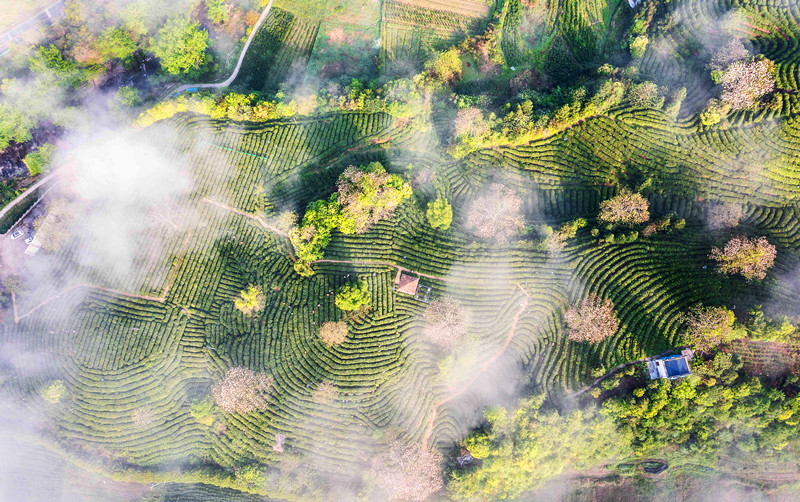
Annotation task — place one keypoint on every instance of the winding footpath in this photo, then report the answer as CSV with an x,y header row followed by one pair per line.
x,y
484,367
228,81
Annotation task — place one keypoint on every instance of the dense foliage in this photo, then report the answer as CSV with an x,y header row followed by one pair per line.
x,y
591,320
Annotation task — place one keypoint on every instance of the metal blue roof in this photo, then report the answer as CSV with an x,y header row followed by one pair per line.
x,y
676,366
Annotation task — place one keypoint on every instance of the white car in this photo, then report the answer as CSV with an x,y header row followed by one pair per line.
x,y
17,234
29,239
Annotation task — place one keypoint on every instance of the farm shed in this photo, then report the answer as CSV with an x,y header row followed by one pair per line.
x,y
406,283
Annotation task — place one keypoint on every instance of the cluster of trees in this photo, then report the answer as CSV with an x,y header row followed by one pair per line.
x,y
707,328
591,320
555,241
364,196
242,391
744,79
399,98
750,258
520,449
717,409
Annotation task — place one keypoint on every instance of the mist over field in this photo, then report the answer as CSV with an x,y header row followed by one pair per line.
x,y
417,250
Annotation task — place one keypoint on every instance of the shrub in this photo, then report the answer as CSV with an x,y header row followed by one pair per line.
x,y
749,257
408,472
242,391
54,392
251,300
333,333
439,214
352,296
638,45
38,161
250,475
708,327
592,320
497,214
627,208
446,322
202,410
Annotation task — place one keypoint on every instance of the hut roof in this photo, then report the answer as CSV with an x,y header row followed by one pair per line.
x,y
407,283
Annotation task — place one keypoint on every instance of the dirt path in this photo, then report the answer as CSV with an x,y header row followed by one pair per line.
x,y
228,81
455,393
159,299
623,366
386,263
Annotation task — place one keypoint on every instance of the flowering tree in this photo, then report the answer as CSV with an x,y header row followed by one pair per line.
x,y
592,320
728,54
408,472
470,122
446,322
749,257
498,214
707,327
333,333
242,391
628,208
744,82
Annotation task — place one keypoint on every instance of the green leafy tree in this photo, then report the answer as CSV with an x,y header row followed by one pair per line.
x,y
15,125
439,214
522,449
128,96
218,11
39,159
353,296
251,300
181,46
115,43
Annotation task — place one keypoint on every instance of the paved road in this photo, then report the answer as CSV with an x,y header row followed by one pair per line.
x,y
228,81
28,193
51,11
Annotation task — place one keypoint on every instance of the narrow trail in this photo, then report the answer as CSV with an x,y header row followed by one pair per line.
x,y
258,219
159,299
388,264
623,366
18,318
455,393
228,81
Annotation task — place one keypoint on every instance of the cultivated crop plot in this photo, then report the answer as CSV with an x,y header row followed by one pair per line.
x,y
401,250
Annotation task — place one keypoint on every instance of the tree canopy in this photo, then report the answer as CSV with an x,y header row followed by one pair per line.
x,y
439,214
750,258
251,300
627,208
353,296
592,320
181,46
521,449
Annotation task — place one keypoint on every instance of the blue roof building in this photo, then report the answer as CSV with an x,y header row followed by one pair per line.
x,y
671,367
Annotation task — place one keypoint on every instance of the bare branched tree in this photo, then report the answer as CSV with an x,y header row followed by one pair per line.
x,y
446,322
333,333
496,215
592,320
408,471
708,327
627,208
